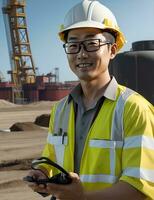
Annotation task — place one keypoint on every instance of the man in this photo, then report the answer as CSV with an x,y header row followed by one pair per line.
x,y
102,131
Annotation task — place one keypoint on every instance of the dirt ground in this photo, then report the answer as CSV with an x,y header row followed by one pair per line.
x,y
18,149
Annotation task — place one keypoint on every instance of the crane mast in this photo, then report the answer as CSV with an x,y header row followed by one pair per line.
x,y
22,66
26,85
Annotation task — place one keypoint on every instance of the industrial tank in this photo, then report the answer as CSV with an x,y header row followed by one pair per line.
x,y
135,68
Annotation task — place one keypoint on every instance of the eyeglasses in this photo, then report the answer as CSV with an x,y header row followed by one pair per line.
x,y
88,45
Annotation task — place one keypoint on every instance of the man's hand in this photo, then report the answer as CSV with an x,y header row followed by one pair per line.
x,y
72,191
37,175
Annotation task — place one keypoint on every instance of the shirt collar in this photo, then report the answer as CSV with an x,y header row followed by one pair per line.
x,y
75,93
110,92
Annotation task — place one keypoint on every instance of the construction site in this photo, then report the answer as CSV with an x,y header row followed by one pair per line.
x,y
26,84
26,101
134,68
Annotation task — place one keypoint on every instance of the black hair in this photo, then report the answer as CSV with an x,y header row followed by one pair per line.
x,y
110,31
65,36
113,33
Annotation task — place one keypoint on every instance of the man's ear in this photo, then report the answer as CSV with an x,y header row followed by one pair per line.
x,y
113,50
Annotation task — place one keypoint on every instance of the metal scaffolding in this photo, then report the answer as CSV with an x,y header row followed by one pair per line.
x,y
22,65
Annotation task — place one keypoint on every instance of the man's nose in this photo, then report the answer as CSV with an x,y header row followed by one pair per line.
x,y
82,52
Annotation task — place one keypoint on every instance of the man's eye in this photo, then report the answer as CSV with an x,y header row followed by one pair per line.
x,y
92,43
73,46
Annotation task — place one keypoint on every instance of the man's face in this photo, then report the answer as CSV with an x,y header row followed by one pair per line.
x,y
89,65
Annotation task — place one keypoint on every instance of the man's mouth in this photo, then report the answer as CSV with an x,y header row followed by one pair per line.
x,y
84,65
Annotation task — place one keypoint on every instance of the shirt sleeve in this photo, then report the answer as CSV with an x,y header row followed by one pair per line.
x,y
138,149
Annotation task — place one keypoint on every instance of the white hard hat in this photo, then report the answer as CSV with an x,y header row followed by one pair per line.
x,y
92,14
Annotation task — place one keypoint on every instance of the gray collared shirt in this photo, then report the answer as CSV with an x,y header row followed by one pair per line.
x,y
84,118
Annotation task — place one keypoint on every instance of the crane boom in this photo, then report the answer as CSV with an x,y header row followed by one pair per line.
x,y
22,65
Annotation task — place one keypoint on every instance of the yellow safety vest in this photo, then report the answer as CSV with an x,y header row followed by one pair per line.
x,y
108,141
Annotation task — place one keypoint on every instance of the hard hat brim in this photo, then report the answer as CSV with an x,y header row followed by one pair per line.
x,y
92,24
85,24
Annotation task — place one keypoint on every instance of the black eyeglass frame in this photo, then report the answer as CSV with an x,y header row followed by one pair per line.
x,y
84,46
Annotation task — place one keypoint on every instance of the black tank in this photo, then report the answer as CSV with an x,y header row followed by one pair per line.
x,y
135,68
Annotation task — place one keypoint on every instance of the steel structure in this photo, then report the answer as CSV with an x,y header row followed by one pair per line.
x,y
22,65
26,85
2,78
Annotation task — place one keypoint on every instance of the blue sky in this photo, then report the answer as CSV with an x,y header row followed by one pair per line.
x,y
135,18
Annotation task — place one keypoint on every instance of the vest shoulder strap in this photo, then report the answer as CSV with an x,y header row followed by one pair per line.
x,y
117,131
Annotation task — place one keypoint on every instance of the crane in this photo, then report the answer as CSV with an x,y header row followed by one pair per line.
x,y
2,78
22,65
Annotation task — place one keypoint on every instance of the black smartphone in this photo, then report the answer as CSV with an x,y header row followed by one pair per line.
x,y
33,180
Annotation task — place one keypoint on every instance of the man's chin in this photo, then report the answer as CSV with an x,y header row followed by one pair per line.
x,y
86,77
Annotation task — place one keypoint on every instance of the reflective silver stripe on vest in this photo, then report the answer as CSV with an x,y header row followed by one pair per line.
x,y
139,141
57,116
58,146
105,144
60,129
99,178
65,117
141,173
117,125
57,140
117,122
